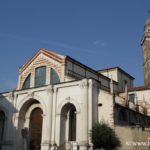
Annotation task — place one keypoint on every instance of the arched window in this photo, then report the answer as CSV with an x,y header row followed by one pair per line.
x,y
72,124
40,76
68,123
2,124
26,83
54,77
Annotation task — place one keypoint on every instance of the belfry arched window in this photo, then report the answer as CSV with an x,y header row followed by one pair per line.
x,y
54,77
26,83
2,124
40,76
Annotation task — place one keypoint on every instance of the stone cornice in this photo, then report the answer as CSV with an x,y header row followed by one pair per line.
x,y
50,89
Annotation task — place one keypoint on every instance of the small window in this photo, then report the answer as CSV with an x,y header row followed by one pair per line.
x,y
125,82
54,77
26,83
122,116
40,76
132,98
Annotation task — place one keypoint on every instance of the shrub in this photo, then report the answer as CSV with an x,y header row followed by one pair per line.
x,y
104,136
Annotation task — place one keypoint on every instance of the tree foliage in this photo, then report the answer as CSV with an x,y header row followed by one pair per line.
x,y
104,136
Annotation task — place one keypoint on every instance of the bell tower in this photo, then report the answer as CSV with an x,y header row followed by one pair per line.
x,y
145,44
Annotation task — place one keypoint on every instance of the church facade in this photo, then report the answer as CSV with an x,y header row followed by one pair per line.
x,y
58,100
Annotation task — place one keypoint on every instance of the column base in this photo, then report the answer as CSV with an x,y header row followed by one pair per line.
x,y
90,146
83,147
45,146
53,148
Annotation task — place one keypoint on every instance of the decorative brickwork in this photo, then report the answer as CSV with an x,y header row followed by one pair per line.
x,y
41,60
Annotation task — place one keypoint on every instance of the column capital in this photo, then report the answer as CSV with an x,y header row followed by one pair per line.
x,y
92,84
55,89
84,84
50,89
11,96
43,115
31,94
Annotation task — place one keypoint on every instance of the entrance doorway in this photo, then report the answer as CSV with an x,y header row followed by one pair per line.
x,y
35,129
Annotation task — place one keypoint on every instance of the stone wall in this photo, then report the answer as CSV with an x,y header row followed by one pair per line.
x,y
133,138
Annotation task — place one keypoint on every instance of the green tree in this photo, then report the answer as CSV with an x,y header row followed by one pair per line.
x,y
104,136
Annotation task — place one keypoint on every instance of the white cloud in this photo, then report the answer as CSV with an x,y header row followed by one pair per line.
x,y
50,42
99,42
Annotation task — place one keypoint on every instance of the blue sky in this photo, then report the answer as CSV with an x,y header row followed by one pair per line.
x,y
98,33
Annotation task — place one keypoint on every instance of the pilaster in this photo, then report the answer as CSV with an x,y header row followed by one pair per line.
x,y
47,75
45,143
47,121
90,111
53,142
32,82
84,113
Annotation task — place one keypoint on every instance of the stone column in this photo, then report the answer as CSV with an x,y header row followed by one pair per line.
x,y
67,126
111,86
84,113
58,129
27,122
32,82
47,75
45,143
15,122
47,121
90,112
19,121
8,134
54,105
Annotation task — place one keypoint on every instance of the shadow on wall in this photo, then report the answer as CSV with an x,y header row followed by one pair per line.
x,y
7,121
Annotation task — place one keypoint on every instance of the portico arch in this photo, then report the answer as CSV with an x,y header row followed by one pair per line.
x,y
32,97
66,101
30,122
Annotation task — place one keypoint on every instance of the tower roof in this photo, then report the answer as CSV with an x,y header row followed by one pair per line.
x,y
147,22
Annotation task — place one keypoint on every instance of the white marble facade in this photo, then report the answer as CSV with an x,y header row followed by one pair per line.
x,y
59,113
68,108
58,100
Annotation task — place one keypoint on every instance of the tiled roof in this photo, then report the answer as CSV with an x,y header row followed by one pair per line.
x,y
139,88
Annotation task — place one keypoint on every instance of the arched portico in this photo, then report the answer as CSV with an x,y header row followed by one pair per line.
x,y
4,130
29,99
30,123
